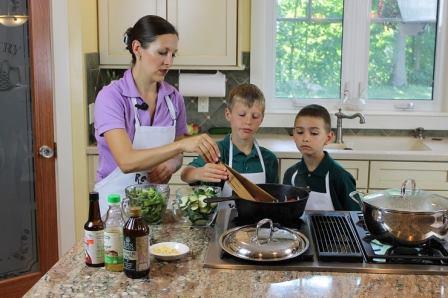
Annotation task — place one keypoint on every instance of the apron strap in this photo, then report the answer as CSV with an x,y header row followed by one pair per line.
x,y
293,178
171,109
137,120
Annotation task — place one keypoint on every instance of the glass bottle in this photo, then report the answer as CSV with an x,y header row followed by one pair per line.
x,y
136,245
94,234
113,235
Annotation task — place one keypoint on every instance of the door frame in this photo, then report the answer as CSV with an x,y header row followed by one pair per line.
x,y
43,134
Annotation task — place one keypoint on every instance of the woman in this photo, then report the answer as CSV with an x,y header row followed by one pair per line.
x,y
140,119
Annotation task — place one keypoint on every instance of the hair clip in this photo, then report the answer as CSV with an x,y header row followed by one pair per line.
x,y
125,38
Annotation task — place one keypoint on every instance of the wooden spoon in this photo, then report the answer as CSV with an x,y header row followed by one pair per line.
x,y
246,189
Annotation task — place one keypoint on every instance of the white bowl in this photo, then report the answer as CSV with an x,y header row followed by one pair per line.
x,y
157,250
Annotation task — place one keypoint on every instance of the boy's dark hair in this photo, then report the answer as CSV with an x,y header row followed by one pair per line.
x,y
247,93
146,31
315,111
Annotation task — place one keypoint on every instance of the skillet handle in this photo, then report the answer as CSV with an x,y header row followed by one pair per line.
x,y
219,199
357,197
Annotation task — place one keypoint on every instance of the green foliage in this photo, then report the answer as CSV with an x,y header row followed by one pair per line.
x,y
309,50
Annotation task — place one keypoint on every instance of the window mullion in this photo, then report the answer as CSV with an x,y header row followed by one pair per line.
x,y
355,54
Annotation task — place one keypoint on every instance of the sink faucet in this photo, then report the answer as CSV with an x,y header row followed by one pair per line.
x,y
419,133
339,115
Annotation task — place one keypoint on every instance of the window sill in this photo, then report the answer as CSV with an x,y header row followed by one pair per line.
x,y
374,120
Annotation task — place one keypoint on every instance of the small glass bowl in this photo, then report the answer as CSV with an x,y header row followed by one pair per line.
x,y
152,198
190,204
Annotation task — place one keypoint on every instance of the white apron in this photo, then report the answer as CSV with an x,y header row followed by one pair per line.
x,y
256,178
318,200
145,137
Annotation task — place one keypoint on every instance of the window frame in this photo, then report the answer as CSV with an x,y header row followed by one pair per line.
x,y
356,32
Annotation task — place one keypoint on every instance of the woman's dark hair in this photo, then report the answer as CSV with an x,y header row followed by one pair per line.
x,y
146,31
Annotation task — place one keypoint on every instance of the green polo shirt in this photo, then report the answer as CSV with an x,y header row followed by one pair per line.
x,y
341,182
243,163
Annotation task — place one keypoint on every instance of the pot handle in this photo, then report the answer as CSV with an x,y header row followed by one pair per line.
x,y
405,183
357,197
219,199
262,223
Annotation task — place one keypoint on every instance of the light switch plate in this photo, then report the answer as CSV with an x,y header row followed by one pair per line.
x,y
91,113
203,104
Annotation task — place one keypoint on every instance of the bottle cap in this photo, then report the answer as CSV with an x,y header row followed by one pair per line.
x,y
135,211
113,199
93,196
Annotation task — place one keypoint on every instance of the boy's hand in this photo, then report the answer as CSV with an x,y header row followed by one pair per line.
x,y
212,173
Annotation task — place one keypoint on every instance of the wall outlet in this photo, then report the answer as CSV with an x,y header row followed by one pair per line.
x,y
91,113
203,104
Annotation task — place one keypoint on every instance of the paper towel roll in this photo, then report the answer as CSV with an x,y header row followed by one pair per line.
x,y
206,85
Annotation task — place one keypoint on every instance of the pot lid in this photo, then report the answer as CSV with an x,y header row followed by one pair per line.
x,y
409,199
257,243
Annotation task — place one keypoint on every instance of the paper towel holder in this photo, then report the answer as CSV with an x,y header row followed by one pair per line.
x,y
202,86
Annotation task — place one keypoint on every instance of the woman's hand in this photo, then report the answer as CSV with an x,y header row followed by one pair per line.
x,y
162,173
202,144
211,173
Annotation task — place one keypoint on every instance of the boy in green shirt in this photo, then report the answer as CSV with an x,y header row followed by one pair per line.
x,y
240,150
330,184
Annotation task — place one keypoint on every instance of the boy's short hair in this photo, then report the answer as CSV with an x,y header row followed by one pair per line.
x,y
315,111
248,94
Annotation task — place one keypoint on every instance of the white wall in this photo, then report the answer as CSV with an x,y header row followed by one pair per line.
x,y
63,127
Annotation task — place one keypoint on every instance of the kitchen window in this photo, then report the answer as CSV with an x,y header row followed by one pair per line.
x,y
388,52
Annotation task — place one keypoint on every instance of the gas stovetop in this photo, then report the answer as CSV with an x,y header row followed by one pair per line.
x,y
339,242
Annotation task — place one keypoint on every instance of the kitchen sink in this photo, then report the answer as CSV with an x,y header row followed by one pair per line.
x,y
380,144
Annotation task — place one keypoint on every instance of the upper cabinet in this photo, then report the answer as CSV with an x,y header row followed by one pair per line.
x,y
208,31
114,18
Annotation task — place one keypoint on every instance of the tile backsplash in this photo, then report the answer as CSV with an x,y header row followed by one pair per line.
x,y
97,78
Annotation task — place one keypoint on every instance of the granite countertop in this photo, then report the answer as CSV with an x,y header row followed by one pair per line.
x,y
69,277
370,148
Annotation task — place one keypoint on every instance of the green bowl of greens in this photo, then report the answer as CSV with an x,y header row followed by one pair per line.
x,y
152,198
190,201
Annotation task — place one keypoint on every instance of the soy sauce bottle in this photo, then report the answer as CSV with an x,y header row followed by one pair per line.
x,y
136,245
94,234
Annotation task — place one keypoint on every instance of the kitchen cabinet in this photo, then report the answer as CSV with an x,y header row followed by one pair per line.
x,y
427,175
114,18
208,31
358,168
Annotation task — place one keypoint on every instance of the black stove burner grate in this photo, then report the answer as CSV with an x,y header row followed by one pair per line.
x,y
434,252
334,238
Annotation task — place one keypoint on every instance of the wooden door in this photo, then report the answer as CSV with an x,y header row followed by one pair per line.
x,y
34,179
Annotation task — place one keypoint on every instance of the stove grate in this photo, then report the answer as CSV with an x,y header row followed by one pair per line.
x,y
334,238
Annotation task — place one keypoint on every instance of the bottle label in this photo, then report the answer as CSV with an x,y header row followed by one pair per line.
x,y
94,247
113,245
136,253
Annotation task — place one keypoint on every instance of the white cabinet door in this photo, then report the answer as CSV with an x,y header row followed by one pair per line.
x,y
358,168
114,18
207,31
427,175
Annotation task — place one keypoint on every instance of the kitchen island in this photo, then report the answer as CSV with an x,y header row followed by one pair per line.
x,y
69,277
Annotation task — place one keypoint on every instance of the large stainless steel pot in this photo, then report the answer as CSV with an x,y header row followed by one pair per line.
x,y
406,216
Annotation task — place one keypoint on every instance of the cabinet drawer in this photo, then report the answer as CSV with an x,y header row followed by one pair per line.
x,y
427,175
358,168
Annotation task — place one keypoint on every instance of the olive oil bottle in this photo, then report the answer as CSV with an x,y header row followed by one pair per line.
x,y
113,235
136,245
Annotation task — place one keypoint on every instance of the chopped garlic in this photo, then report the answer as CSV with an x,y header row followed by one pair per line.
x,y
165,250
